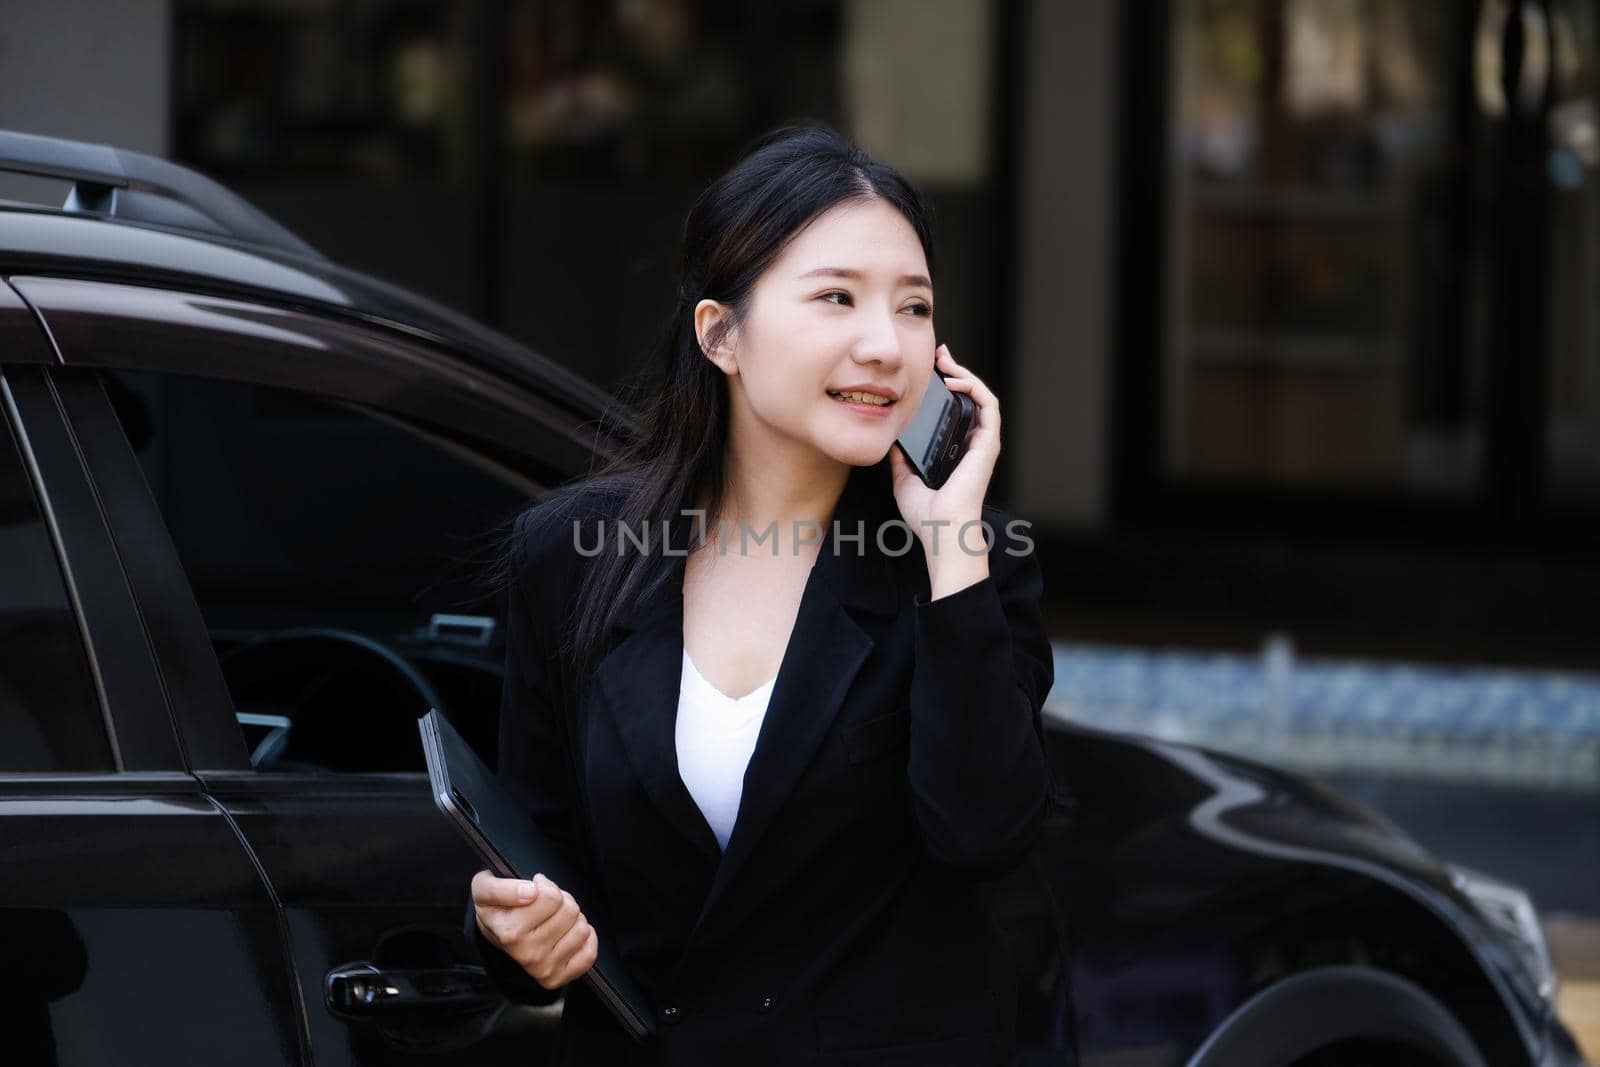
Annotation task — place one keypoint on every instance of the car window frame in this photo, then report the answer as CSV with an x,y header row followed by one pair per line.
x,y
173,330
134,710
159,334
202,708
21,333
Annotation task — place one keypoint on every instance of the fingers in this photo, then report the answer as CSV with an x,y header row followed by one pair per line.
x,y
524,929
574,953
502,892
552,927
541,932
964,381
553,945
946,362
585,957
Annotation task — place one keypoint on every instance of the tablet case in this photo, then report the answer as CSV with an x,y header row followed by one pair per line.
x,y
513,846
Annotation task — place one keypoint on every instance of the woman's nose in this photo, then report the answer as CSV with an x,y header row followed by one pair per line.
x,y
880,343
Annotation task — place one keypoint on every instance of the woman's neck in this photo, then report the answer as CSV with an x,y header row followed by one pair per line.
x,y
779,498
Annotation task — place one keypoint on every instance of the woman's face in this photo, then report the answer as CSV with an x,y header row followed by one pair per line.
x,y
847,304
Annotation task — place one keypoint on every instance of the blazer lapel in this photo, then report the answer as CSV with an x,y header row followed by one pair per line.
x,y
639,679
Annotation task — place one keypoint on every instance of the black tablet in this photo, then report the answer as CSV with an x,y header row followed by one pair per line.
x,y
512,846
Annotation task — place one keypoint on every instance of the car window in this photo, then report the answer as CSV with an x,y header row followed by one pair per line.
x,y
340,560
50,716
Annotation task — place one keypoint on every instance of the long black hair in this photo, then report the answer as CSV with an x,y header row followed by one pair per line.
x,y
734,231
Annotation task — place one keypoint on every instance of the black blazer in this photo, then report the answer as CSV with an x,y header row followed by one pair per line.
x,y
901,761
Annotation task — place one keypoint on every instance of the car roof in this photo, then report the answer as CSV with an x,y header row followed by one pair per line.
x,y
141,220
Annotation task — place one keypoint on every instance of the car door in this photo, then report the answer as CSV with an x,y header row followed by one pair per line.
x,y
134,926
318,534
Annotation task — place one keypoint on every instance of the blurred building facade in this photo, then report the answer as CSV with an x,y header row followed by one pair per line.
x,y
1291,302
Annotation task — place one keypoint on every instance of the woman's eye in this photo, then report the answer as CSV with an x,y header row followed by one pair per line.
x,y
919,309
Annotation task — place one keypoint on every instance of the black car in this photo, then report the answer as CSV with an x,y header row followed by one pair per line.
x,y
246,497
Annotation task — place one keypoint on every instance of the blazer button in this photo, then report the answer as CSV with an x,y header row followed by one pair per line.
x,y
669,1014
766,1003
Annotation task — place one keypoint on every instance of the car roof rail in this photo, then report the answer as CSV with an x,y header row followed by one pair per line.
x,y
117,183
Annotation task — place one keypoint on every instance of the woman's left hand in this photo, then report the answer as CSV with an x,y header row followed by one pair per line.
x,y
960,499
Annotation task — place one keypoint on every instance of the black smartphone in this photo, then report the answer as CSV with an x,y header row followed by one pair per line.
x,y
936,438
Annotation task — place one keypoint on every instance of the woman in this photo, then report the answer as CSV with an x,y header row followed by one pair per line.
x,y
785,758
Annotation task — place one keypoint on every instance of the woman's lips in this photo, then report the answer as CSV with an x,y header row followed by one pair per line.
x,y
864,409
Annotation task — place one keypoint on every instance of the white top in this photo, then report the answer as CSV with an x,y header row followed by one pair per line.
x,y
716,735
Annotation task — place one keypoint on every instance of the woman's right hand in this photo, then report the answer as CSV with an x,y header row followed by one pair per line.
x,y
536,923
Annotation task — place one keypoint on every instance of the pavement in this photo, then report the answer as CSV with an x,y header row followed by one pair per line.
x,y
1575,947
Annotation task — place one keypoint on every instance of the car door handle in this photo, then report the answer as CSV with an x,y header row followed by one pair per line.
x,y
362,990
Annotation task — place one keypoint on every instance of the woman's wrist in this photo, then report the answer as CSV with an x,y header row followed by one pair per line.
x,y
952,572
957,554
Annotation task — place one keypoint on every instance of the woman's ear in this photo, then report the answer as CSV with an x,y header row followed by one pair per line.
x,y
709,315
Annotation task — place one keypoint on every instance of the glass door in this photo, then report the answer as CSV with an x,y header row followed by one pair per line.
x,y
1376,258
1571,189
1326,200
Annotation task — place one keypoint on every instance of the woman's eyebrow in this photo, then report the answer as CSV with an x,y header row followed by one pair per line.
x,y
847,272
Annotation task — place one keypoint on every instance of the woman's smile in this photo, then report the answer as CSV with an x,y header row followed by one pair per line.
x,y
876,408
